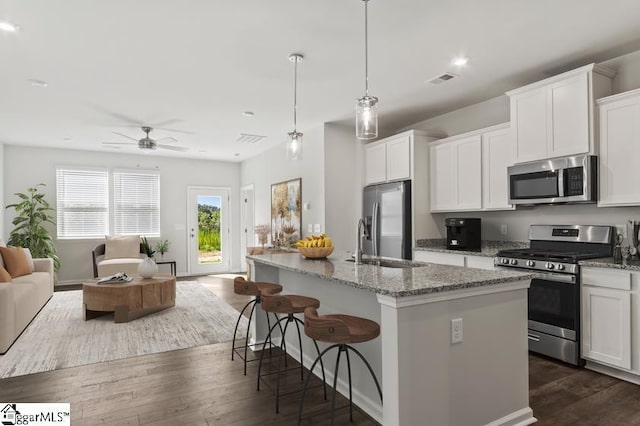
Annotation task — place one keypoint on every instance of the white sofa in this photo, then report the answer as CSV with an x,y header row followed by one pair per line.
x,y
21,300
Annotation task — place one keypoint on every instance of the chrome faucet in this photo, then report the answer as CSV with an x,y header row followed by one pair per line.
x,y
358,253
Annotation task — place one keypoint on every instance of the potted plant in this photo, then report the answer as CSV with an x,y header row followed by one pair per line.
x,y
162,247
147,268
33,212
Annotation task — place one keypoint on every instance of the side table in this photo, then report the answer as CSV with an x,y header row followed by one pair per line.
x,y
171,263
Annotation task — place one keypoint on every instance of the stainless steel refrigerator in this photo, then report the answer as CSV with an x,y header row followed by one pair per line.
x,y
387,216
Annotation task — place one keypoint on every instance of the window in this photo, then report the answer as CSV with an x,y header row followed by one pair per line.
x,y
82,203
136,203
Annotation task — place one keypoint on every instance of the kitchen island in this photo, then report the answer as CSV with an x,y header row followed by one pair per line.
x,y
426,379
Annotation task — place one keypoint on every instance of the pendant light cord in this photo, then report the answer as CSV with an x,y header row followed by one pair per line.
x,y
295,93
366,49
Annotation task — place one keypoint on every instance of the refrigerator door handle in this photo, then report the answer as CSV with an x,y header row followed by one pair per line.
x,y
374,229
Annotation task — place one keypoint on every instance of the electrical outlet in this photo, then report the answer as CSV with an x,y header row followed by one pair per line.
x,y
310,228
456,330
622,229
316,227
503,229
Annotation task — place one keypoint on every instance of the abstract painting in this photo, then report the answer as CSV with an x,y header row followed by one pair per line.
x,y
286,212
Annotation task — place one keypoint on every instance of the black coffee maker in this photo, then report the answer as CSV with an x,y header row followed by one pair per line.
x,y
463,233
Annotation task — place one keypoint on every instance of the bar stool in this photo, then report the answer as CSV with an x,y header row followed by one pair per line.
x,y
288,304
342,331
249,288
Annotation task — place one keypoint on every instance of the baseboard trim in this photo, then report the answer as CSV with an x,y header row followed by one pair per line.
x,y
521,417
613,372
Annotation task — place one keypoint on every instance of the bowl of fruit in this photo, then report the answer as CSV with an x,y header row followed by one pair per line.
x,y
315,247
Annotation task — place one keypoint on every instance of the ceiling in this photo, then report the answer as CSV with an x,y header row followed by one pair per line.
x,y
196,66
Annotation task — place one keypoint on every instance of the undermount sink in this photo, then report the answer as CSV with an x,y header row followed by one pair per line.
x,y
386,263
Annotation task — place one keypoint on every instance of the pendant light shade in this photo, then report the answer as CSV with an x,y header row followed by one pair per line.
x,y
366,106
294,143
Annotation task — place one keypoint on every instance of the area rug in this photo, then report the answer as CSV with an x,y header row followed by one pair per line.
x,y
59,337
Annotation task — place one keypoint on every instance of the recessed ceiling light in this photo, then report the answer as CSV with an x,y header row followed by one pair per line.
x,y
9,27
460,61
202,150
248,113
38,83
68,139
237,154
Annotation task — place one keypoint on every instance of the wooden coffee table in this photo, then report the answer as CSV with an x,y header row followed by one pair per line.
x,y
129,301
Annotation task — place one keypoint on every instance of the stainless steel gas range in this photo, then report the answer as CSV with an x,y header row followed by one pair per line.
x,y
554,294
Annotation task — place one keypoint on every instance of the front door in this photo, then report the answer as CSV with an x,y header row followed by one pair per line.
x,y
208,230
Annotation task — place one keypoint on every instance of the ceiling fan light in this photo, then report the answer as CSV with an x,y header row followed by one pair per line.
x,y
367,118
294,146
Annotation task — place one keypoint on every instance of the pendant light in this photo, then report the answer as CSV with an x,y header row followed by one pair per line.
x,y
294,145
366,106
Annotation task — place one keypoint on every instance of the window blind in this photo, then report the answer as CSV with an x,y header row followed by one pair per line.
x,y
82,203
136,203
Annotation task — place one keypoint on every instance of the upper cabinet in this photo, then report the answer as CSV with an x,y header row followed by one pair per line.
x,y
554,117
619,123
388,159
469,172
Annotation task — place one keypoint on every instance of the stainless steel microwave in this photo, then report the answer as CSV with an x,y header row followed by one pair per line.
x,y
558,180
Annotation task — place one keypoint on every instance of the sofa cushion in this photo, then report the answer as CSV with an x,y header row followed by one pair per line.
x,y
27,253
113,266
42,282
5,277
15,261
122,246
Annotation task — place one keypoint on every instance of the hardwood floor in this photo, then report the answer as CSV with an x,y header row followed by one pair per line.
x,y
202,386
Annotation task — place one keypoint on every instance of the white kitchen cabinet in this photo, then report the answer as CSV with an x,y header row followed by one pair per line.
x,y
498,152
554,117
456,177
375,160
455,259
619,122
469,171
388,159
607,312
606,332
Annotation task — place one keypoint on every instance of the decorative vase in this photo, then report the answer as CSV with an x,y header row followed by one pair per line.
x,y
147,268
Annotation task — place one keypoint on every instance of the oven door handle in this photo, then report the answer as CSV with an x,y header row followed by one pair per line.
x,y
550,276
533,337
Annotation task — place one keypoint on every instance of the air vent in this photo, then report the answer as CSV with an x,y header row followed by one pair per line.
x,y
248,138
442,78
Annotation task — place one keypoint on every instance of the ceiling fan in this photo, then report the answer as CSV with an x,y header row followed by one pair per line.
x,y
146,143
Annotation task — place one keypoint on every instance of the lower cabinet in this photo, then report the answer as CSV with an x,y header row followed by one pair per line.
x,y
470,261
607,312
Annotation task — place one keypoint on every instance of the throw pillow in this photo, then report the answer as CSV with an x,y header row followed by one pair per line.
x,y
122,246
5,277
27,252
15,261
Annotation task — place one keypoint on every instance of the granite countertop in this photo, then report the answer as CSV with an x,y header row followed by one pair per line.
x,y
422,278
488,248
607,262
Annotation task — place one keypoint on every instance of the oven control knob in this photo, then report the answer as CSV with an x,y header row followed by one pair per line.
x,y
560,267
505,261
549,265
513,262
531,263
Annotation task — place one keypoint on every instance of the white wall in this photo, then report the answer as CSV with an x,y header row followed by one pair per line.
x,y
495,111
26,166
272,167
343,182
4,236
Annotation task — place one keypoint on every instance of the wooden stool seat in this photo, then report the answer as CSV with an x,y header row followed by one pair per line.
x,y
244,287
341,330
288,303
251,288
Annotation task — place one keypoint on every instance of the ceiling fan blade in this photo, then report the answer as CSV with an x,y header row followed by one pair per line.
x,y
167,122
119,116
172,148
118,143
174,130
168,139
125,136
